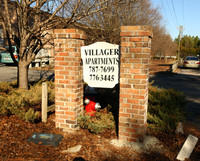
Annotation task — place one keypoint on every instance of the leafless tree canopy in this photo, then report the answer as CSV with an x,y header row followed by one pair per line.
x,y
25,22
105,26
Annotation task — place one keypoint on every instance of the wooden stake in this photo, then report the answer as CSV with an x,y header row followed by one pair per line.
x,y
44,102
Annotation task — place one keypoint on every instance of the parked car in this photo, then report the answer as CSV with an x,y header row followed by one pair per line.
x,y
191,62
6,57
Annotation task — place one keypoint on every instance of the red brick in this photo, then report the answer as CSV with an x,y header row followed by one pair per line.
x,y
59,58
137,107
138,44
135,60
124,115
125,75
70,121
59,94
59,112
144,33
61,35
134,101
64,108
59,67
133,121
59,50
71,113
146,50
140,76
125,105
132,139
63,54
133,91
125,95
138,96
133,28
59,120
135,111
126,34
57,77
141,55
122,110
146,39
131,130
64,72
133,81
62,63
126,65
125,86
135,71
125,133
124,124
145,91
135,50
58,31
70,104
59,103
136,39
142,112
140,66
137,135
146,61
139,86
63,81
138,117
64,117
124,44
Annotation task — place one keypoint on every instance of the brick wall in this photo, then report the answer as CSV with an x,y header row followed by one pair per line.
x,y
134,74
68,77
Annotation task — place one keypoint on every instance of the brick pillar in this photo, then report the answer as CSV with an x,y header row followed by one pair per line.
x,y
68,77
134,80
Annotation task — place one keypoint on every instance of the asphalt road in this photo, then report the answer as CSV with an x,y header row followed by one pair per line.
x,y
188,82
9,74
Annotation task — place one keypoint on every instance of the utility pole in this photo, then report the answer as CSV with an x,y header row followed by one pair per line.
x,y
179,40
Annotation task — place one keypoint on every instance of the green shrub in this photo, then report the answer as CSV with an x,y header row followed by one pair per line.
x,y
5,88
98,123
24,103
165,108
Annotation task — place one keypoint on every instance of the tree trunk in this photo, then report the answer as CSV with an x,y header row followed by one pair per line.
x,y
22,75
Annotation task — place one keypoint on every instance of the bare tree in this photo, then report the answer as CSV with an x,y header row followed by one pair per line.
x,y
106,25
25,23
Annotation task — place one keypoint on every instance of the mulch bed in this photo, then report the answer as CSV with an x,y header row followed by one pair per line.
x,y
14,146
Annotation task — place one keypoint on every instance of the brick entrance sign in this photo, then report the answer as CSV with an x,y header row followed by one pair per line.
x,y
134,74
68,77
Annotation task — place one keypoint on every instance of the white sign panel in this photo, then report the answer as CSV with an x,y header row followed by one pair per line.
x,y
101,64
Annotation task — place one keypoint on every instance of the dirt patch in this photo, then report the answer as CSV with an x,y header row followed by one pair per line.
x,y
157,65
14,146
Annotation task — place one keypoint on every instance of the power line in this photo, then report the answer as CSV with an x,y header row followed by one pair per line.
x,y
165,12
170,12
174,12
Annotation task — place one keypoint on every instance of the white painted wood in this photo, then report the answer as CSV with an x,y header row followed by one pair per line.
x,y
187,148
101,64
44,102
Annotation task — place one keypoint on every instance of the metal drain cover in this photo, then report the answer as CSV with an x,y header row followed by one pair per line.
x,y
45,139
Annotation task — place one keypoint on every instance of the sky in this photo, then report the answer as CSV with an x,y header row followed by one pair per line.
x,y
178,13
